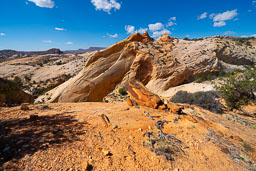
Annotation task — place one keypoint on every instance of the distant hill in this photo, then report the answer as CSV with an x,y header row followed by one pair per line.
x,y
13,53
84,50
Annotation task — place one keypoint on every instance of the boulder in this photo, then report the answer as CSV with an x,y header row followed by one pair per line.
x,y
142,96
174,108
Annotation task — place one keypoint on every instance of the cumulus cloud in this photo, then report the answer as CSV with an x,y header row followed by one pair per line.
x,y
47,41
221,18
160,33
155,27
219,24
59,29
112,35
212,15
142,30
69,43
229,33
172,19
43,3
228,15
171,23
106,5
202,16
254,35
254,3
129,29
2,34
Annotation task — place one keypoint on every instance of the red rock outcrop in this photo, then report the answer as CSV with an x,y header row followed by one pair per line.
x,y
142,96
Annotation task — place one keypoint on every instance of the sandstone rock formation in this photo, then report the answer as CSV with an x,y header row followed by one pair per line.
x,y
142,96
158,64
10,94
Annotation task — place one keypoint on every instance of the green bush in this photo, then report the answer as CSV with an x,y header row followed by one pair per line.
x,y
207,100
122,91
237,89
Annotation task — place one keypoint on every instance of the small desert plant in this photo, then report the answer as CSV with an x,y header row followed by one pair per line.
x,y
122,91
207,100
237,89
205,77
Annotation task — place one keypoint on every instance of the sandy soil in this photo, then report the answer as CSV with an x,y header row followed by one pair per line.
x,y
75,137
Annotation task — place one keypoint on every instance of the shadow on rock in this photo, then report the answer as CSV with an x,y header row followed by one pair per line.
x,y
21,137
207,100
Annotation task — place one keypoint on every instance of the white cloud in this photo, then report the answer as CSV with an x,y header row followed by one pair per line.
x,y
228,15
69,43
171,24
160,33
254,3
106,5
112,35
202,16
212,15
43,3
130,29
2,34
249,10
172,19
219,24
142,30
47,41
59,29
187,36
229,33
155,27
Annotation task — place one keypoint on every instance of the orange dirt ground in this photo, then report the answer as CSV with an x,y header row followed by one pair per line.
x,y
73,136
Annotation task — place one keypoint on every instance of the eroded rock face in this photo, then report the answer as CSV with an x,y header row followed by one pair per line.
x,y
142,96
158,64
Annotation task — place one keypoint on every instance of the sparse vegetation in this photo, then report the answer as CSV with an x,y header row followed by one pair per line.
x,y
243,40
207,100
237,89
122,91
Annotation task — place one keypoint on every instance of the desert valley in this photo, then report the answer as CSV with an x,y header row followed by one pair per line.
x,y
140,104
127,85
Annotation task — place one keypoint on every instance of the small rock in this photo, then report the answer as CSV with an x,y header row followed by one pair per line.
x,y
129,102
24,107
140,129
149,127
162,107
33,117
238,138
175,108
115,126
254,156
105,152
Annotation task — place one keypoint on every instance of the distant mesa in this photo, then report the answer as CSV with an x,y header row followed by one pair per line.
x,y
18,54
90,49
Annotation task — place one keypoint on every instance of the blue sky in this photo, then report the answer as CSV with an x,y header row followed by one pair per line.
x,y
65,24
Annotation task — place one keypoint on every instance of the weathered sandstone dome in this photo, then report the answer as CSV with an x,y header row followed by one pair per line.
x,y
158,64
